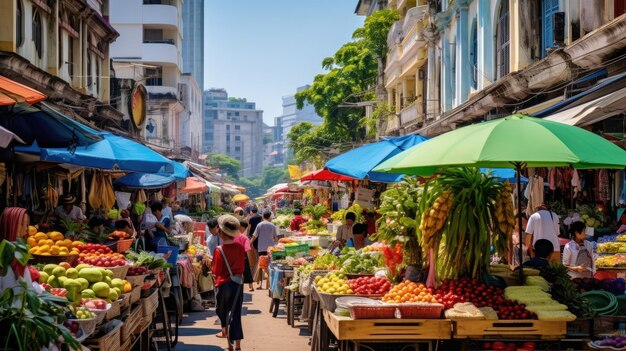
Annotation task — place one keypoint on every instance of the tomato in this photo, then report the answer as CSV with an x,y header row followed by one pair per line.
x,y
499,345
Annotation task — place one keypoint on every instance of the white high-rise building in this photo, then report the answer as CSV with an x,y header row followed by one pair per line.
x,y
149,51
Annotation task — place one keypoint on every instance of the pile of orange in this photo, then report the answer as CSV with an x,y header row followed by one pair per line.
x,y
409,292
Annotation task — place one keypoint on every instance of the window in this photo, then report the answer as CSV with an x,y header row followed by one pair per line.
x,y
548,8
228,149
70,56
97,80
19,24
89,74
228,127
474,55
152,35
37,33
237,138
502,40
228,138
237,127
154,76
237,149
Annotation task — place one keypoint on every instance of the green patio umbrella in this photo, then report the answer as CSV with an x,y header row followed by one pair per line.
x,y
515,141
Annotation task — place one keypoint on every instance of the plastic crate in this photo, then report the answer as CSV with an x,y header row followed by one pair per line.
x,y
170,253
297,250
278,255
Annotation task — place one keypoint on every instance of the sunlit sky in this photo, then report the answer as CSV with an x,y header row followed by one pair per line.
x,y
263,50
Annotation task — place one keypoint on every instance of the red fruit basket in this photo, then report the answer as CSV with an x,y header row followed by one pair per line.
x,y
420,310
373,311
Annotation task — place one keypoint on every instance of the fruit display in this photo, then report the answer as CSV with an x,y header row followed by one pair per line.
x,y
333,283
358,262
375,247
51,244
615,286
565,291
94,304
118,235
73,327
394,256
80,313
468,234
503,216
370,285
613,248
615,342
611,261
452,292
84,281
136,270
61,292
93,249
103,259
409,292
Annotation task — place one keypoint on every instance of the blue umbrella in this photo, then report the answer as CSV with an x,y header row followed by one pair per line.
x,y
154,180
113,152
503,174
358,163
46,126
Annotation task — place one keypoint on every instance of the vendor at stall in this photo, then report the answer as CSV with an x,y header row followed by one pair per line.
x,y
344,232
543,249
297,221
67,209
359,237
578,253
157,226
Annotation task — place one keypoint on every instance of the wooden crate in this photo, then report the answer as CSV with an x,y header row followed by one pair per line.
x,y
132,321
150,304
345,328
127,345
110,340
530,328
115,310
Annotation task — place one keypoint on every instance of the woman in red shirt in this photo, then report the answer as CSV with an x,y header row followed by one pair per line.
x,y
229,293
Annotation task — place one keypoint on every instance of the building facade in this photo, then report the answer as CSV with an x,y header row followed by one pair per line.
x,y
61,48
456,62
149,53
193,40
290,117
234,127
191,117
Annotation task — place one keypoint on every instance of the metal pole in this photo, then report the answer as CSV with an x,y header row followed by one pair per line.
x,y
518,169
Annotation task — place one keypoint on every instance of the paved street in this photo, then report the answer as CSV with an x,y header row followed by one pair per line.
x,y
261,331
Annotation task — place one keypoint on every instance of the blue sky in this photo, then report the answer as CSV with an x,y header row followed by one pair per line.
x,y
263,50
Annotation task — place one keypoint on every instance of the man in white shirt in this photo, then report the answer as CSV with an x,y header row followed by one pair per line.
x,y
543,224
69,210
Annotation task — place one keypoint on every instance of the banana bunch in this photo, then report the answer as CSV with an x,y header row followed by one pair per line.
x,y
504,213
51,197
434,218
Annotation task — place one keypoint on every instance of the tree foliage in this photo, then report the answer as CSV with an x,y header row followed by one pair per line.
x,y
273,176
253,186
226,164
352,73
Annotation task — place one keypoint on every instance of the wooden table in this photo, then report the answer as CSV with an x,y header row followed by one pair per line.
x,y
411,331
527,328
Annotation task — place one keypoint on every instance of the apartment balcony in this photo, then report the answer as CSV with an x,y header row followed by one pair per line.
x,y
162,92
165,14
395,33
161,52
409,115
414,15
393,124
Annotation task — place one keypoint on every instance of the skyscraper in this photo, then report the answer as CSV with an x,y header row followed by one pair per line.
x,y
193,40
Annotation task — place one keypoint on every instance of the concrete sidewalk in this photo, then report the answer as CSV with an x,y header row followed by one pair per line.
x,y
261,331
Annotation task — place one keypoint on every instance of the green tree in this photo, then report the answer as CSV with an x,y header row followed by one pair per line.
x,y
352,72
253,186
274,175
226,164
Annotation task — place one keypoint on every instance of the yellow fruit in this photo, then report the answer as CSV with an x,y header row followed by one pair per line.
x,y
31,242
56,236
41,236
41,242
64,250
76,243
33,250
59,243
44,248
67,243
50,242
45,254
32,230
54,250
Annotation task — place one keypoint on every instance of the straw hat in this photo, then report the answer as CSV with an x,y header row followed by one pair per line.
x,y
229,225
68,200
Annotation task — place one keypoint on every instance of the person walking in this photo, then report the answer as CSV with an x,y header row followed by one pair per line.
x,y
213,236
543,224
253,221
228,268
266,234
243,239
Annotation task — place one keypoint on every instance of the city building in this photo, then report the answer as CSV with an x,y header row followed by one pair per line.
x,y
452,63
193,40
290,117
234,127
148,53
61,48
191,118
